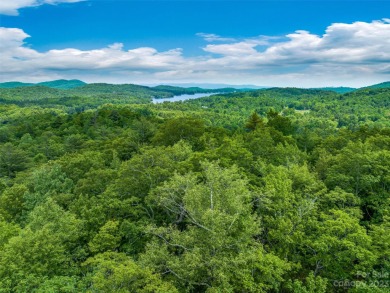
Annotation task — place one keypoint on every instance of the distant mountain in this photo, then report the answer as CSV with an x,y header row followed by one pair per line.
x,y
13,84
63,83
382,85
55,84
174,88
344,90
340,90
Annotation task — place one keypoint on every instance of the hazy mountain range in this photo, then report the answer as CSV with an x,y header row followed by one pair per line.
x,y
173,88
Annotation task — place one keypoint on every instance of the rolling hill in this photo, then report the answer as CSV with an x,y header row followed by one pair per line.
x,y
56,84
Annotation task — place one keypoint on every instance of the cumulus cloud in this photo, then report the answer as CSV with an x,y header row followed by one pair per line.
x,y
234,49
11,38
356,43
346,54
11,7
18,60
346,50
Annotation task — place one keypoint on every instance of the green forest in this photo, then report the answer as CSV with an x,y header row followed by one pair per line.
x,y
270,190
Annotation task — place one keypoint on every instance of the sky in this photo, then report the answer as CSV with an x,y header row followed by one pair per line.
x,y
259,42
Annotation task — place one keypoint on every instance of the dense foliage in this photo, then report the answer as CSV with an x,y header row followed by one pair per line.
x,y
277,190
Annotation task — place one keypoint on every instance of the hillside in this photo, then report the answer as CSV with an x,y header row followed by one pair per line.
x,y
58,84
14,84
380,85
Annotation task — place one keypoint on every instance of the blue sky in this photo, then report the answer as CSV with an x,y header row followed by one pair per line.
x,y
272,43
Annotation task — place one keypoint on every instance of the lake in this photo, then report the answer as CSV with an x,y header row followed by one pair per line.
x,y
182,98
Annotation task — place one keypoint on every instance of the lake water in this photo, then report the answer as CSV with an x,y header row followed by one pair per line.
x,y
182,98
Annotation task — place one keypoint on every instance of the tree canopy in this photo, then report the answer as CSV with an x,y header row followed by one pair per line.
x,y
274,190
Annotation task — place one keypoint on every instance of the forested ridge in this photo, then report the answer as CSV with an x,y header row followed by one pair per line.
x,y
274,190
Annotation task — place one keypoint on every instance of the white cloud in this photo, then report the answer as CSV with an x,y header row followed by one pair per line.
x,y
346,54
234,49
214,38
11,7
11,38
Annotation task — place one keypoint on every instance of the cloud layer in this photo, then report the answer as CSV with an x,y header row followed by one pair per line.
x,y
11,7
349,54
